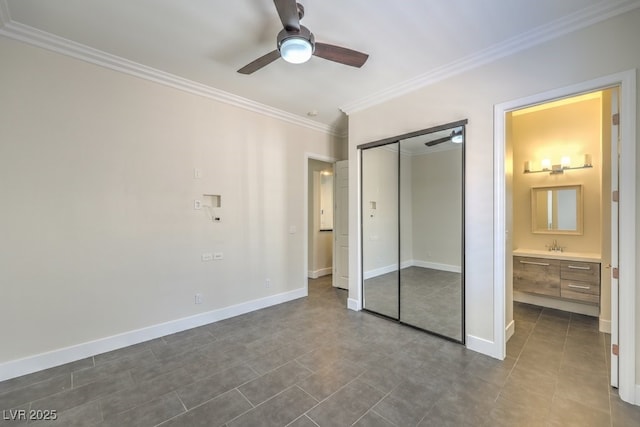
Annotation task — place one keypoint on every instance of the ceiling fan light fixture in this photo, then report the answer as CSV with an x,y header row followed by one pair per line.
x,y
296,50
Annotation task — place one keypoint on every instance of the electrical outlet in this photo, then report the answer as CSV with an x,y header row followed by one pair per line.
x,y
197,204
267,283
207,256
218,255
198,299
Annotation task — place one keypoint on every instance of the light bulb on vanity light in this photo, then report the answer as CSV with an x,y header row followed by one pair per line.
x,y
546,164
565,161
587,160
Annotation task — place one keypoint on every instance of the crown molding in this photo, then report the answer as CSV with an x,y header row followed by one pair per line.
x,y
45,40
568,24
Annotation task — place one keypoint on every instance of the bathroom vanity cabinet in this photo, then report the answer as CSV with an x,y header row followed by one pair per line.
x,y
576,281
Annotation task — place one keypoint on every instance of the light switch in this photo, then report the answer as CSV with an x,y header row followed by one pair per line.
x,y
197,204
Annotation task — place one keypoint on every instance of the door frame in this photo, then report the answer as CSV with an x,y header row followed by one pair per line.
x,y
309,156
627,218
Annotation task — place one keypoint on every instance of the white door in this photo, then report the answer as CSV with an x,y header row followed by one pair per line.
x,y
615,158
341,225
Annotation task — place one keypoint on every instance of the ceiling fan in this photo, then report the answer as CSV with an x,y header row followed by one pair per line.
x,y
455,137
296,44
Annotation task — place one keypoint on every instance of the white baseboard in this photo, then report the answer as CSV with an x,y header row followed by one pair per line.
x,y
509,330
27,365
437,266
380,271
320,273
353,304
483,346
638,394
605,326
411,263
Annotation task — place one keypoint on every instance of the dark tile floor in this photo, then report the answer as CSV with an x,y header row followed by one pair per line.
x,y
431,299
312,362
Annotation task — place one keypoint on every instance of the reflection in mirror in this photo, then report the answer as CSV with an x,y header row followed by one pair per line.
x,y
326,201
380,229
557,210
412,229
431,230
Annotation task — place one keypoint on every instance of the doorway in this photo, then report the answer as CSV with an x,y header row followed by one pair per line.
x,y
623,322
320,218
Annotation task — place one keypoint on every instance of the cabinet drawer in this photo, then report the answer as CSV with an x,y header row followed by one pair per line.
x,y
536,275
580,291
581,271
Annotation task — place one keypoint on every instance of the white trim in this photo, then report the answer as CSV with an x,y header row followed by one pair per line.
x,y
437,266
380,271
36,37
573,22
320,273
510,330
27,365
481,345
353,304
604,325
411,263
627,221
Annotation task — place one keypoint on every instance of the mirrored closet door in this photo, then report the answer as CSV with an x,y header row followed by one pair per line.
x,y
380,229
413,255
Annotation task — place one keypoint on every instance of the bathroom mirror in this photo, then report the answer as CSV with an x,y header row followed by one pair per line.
x,y
556,210
413,252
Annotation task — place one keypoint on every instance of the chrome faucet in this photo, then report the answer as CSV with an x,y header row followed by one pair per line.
x,y
554,247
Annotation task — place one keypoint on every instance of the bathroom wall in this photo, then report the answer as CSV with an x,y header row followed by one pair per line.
x,y
567,129
572,130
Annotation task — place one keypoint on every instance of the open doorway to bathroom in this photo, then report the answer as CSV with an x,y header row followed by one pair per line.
x,y
320,218
623,308
559,217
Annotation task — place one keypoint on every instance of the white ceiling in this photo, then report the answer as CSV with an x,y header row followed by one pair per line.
x,y
205,41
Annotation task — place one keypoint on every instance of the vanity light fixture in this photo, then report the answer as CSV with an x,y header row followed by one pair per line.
x,y
565,164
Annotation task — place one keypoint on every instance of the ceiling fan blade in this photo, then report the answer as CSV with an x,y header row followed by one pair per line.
x,y
437,141
288,12
340,54
263,61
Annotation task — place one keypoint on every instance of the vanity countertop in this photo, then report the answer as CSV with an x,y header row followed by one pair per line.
x,y
567,256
